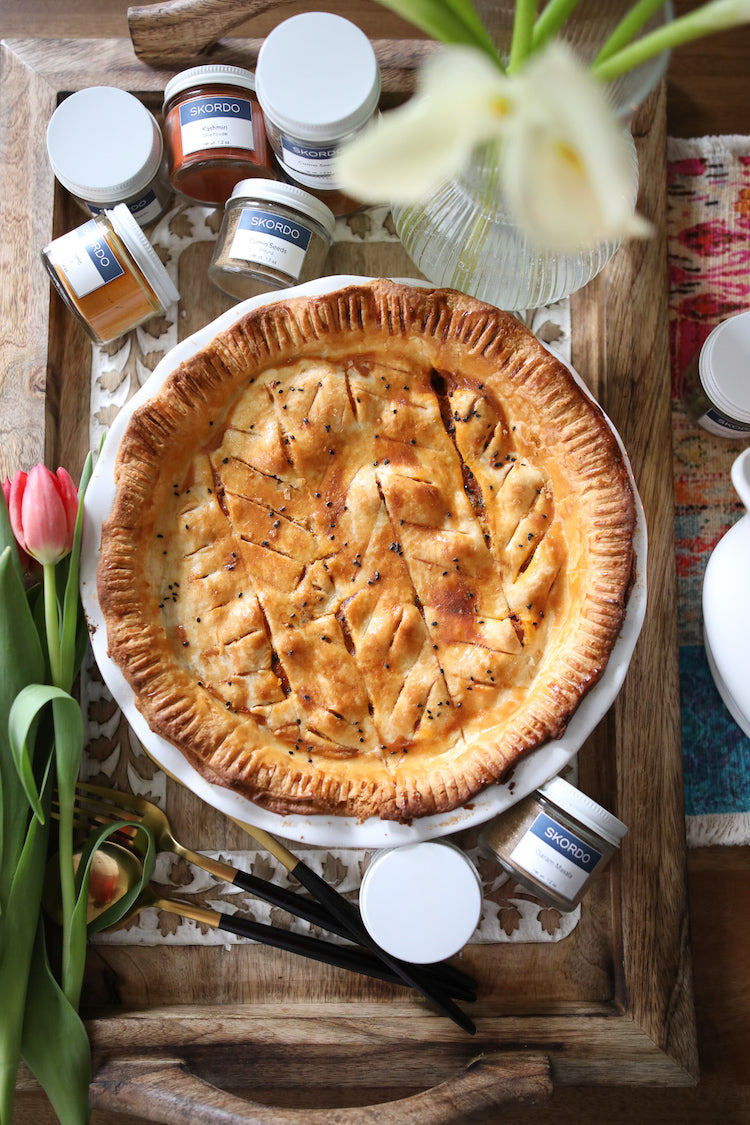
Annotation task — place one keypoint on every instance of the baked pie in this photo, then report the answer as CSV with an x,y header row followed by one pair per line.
x,y
367,549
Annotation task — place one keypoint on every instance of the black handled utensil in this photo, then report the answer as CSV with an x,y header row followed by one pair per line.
x,y
348,916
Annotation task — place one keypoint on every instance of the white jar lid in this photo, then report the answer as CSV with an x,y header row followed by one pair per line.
x,y
421,902
103,144
143,254
221,73
724,367
317,77
726,606
583,808
274,191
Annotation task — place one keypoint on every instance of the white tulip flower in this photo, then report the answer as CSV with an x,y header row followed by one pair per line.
x,y
568,166
461,100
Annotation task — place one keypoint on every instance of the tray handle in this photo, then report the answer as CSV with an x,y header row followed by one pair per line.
x,y
177,29
164,1090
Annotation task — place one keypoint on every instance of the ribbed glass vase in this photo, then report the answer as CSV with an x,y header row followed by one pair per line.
x,y
462,235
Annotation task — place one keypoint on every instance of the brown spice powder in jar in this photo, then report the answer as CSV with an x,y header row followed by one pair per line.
x,y
553,842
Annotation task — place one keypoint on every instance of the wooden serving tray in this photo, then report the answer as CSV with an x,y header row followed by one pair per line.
x,y
611,1003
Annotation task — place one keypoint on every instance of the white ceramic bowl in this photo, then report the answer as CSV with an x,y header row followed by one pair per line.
x,y
726,606
332,831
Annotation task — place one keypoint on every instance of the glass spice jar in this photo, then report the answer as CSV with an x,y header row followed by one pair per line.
x,y
106,148
273,235
717,387
554,842
214,132
318,84
108,275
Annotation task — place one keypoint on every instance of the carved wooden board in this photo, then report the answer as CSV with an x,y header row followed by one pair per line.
x,y
612,1003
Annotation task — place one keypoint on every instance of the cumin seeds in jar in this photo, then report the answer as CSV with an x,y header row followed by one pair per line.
x,y
273,235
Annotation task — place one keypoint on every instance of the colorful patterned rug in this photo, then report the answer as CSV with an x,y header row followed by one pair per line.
x,y
708,227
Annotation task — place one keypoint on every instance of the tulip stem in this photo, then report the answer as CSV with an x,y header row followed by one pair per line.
x,y
52,625
628,28
550,20
523,28
709,18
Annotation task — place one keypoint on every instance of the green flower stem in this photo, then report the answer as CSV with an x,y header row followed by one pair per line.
x,y
715,16
68,900
628,28
523,29
52,624
550,21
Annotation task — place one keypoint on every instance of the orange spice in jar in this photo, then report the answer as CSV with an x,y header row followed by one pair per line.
x,y
214,131
108,275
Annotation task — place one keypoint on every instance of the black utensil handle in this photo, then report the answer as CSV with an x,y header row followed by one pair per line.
x,y
410,974
342,956
461,985
309,909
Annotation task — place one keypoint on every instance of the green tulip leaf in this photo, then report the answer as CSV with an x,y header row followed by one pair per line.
x,y
7,538
17,932
22,723
54,1042
71,603
21,663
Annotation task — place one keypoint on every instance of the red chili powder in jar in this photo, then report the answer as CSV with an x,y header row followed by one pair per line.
x,y
214,131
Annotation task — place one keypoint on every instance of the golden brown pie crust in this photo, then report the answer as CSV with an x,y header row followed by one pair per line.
x,y
367,549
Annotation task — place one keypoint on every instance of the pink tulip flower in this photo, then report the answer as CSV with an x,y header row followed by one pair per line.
x,y
43,507
27,563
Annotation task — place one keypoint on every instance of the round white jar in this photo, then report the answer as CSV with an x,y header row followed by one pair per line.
x,y
724,372
106,148
421,902
318,83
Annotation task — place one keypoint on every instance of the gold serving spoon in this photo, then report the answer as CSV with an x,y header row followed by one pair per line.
x,y
115,871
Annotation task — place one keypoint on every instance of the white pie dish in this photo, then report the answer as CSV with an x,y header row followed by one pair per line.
x,y
325,830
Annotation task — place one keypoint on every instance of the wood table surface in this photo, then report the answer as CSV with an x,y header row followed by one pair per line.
x,y
708,91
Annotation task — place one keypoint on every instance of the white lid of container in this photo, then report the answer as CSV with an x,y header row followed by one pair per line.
x,y
583,808
222,73
274,191
726,606
724,367
103,144
317,77
143,254
421,902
